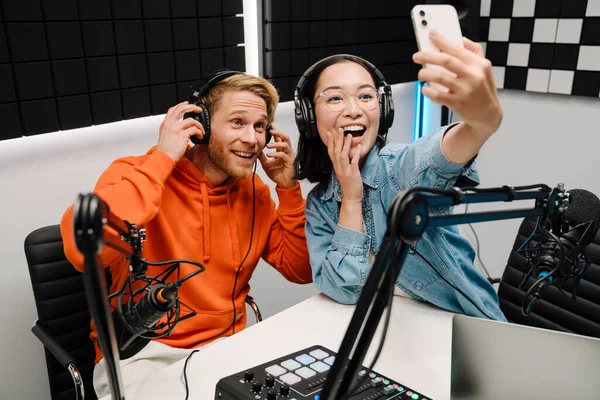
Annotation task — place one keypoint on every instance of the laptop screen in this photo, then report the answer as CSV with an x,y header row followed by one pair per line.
x,y
498,360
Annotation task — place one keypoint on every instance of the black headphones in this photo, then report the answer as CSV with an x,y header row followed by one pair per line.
x,y
303,106
204,116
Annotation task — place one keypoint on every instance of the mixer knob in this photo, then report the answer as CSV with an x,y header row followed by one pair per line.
x,y
285,390
272,394
256,386
248,376
270,381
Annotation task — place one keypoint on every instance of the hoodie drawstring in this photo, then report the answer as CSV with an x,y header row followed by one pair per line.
x,y
235,238
206,218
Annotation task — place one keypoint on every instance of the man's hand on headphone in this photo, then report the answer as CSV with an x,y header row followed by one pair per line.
x,y
279,165
175,132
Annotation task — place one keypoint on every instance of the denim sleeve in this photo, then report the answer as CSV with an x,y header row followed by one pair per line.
x,y
338,255
423,163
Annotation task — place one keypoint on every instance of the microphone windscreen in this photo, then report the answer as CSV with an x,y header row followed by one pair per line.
x,y
584,207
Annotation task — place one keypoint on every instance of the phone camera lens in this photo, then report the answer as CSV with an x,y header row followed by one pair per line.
x,y
422,13
424,23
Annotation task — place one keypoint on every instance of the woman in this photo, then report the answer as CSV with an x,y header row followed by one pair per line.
x,y
343,111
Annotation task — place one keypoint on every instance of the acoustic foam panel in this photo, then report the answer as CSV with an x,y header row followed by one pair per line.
x,y
297,34
67,64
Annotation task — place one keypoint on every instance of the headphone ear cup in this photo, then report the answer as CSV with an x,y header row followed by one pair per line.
x,y
268,134
204,118
382,115
299,116
386,110
389,110
310,119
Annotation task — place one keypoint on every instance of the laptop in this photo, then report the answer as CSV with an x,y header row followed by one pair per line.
x,y
498,360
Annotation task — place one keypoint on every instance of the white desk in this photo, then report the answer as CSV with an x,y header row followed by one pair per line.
x,y
416,352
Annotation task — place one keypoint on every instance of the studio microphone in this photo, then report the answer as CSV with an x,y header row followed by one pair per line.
x,y
560,255
154,305
143,315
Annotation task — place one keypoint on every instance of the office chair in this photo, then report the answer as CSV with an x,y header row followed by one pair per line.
x,y
63,324
554,310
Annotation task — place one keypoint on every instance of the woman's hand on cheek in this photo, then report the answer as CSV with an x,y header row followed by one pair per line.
x,y
346,169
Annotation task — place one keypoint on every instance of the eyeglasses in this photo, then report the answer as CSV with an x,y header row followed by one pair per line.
x,y
337,99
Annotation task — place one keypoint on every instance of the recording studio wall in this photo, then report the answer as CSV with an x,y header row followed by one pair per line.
x,y
546,46
298,33
67,64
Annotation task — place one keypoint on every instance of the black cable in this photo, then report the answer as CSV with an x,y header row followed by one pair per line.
x,y
185,381
234,283
526,305
436,271
477,247
177,261
537,223
478,255
201,268
451,285
247,252
525,310
173,315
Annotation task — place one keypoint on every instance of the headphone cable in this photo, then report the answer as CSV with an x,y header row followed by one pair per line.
x,y
234,283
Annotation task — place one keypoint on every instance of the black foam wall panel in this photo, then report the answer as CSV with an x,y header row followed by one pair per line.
x,y
67,64
296,34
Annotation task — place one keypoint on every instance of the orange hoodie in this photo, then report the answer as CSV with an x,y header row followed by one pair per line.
x,y
187,218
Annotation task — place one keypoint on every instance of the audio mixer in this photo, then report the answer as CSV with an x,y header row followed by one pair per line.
x,y
301,376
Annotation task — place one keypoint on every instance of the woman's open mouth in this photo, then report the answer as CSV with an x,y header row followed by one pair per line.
x,y
354,130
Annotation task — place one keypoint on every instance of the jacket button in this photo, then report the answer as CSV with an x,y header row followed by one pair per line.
x,y
368,213
366,246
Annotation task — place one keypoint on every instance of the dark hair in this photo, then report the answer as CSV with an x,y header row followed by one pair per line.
x,y
312,161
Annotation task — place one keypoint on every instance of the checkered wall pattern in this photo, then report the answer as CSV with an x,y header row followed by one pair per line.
x,y
72,63
547,46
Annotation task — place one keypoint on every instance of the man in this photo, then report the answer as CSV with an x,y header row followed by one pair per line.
x,y
204,203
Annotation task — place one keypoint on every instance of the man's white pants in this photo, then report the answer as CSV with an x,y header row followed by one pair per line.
x,y
155,356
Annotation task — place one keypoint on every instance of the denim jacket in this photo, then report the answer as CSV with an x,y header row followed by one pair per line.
x,y
340,256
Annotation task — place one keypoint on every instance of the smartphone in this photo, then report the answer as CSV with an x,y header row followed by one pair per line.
x,y
444,19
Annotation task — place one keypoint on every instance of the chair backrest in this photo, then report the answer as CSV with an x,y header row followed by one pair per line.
x,y
554,310
62,309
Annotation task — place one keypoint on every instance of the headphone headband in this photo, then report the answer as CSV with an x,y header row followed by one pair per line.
x,y
201,90
300,87
204,116
303,107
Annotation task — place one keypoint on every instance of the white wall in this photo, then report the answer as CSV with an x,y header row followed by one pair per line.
x,y
543,139
41,175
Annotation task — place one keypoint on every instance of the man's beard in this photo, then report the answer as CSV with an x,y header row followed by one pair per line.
x,y
220,157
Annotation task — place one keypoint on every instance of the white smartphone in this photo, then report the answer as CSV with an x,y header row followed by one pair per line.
x,y
444,19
